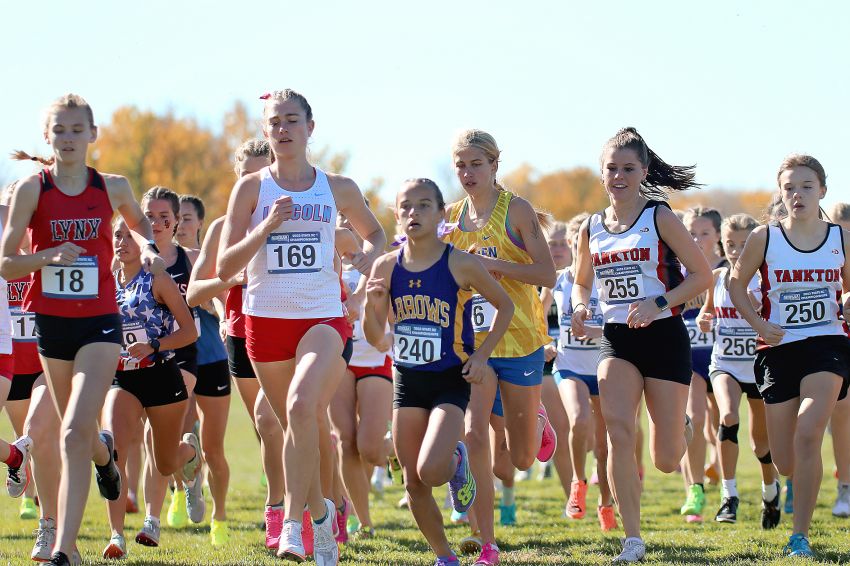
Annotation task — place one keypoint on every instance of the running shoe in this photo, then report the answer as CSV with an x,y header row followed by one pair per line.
x,y
577,504
693,518
177,518
18,477
694,502
458,518
193,466
352,525
840,509
462,484
291,547
607,520
219,533
594,478
196,506
522,475
325,549
108,476
274,526
28,509
307,532
403,503
712,475
507,515
45,537
549,440
363,532
728,512
633,551
798,545
62,559
394,469
770,513
789,497
117,548
132,504
451,561
264,482
149,535
378,477
471,544
342,522
489,555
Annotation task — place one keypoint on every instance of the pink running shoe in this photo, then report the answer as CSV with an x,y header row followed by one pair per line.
x,y
307,533
274,526
549,442
489,555
341,535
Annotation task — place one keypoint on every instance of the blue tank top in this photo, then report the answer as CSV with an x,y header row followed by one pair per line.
x,y
210,347
433,324
142,319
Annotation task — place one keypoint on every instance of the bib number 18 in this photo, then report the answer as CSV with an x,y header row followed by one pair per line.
x,y
75,281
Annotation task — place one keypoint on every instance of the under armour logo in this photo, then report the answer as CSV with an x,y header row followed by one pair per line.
x,y
836,252
645,229
417,283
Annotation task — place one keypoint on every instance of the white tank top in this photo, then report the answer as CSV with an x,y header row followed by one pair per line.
x,y
364,354
292,275
734,349
5,315
632,265
579,356
801,290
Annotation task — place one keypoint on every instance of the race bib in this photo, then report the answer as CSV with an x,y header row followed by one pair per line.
x,y
75,281
415,345
567,341
482,314
736,344
803,309
23,325
620,284
294,252
132,332
699,339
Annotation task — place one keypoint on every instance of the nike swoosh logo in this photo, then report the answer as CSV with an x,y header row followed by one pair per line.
x,y
178,394
177,275
527,373
107,331
221,387
485,237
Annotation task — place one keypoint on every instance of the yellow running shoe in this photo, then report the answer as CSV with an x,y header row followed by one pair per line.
x,y
177,517
28,508
219,533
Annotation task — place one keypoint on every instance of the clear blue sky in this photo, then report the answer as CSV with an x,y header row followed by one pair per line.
x,y
731,86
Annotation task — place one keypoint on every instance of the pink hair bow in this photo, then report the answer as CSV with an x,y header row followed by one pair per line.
x,y
443,229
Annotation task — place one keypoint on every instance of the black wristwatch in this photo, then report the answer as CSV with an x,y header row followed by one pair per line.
x,y
154,343
661,303
152,246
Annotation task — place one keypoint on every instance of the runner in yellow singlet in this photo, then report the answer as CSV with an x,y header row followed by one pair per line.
x,y
505,232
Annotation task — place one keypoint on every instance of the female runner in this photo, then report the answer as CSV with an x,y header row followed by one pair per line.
x,y
633,249
802,364
67,209
732,377
504,230
148,383
285,238
427,284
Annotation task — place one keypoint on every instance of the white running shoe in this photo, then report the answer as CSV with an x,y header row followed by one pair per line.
x,y
291,547
325,549
842,502
633,551
117,548
149,535
45,537
19,478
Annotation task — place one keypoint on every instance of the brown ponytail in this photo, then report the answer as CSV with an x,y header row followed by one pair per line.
x,y
20,155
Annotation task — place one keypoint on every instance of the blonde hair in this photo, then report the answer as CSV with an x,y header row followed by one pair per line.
x,y
574,224
840,212
555,227
250,148
64,102
739,222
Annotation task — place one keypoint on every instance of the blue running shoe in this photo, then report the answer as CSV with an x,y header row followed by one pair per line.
x,y
798,545
450,561
462,484
507,515
789,497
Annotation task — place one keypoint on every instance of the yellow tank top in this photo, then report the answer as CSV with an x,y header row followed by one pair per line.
x,y
527,331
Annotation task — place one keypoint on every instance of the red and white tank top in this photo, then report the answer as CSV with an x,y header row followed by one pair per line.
x,y
632,265
5,316
292,275
801,290
734,349
24,342
363,354
233,311
86,288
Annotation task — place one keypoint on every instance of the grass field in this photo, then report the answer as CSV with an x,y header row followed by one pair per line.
x,y
542,537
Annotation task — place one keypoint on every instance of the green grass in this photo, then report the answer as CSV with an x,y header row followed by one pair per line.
x,y
542,536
